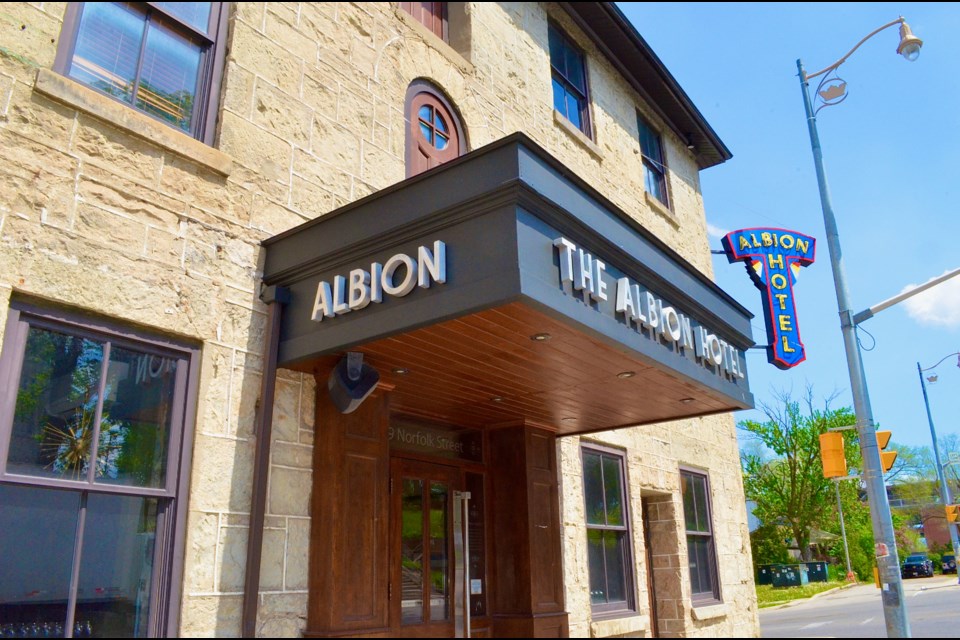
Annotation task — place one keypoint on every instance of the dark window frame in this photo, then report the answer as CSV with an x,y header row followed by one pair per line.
x,y
439,15
582,96
702,598
628,606
654,163
209,75
169,550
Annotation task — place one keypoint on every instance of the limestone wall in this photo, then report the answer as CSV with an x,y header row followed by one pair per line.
x,y
104,209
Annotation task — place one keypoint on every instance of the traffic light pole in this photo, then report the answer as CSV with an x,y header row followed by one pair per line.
x,y
843,529
888,562
944,488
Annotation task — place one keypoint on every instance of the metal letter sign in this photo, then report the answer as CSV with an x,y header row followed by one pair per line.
x,y
773,257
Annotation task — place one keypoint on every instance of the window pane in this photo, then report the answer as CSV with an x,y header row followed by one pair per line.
x,y
573,111
168,79
650,143
616,570
613,491
607,561
593,489
411,551
556,51
195,14
426,114
441,142
440,123
698,552
56,406
439,586
653,181
574,72
689,510
37,537
108,45
116,566
559,97
598,578
136,418
695,504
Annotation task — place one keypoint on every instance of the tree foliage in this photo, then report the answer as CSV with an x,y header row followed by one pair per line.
x,y
789,488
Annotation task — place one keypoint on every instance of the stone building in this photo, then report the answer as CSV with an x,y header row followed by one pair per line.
x,y
204,207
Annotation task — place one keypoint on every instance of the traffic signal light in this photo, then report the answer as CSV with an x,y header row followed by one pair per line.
x,y
887,458
953,512
831,454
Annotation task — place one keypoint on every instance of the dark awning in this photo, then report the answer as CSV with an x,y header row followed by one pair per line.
x,y
507,216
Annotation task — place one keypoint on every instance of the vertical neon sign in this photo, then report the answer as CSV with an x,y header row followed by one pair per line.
x,y
773,256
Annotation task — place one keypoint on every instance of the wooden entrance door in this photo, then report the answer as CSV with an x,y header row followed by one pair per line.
x,y
422,554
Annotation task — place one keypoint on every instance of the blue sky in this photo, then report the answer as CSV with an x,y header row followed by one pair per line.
x,y
891,157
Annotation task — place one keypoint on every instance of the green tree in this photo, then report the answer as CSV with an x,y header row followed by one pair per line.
x,y
789,487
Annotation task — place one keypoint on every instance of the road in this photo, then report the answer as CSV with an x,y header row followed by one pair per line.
x,y
933,608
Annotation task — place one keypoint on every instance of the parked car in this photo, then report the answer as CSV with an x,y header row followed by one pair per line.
x,y
948,563
917,565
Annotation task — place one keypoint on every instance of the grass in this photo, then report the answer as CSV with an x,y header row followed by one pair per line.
x,y
767,596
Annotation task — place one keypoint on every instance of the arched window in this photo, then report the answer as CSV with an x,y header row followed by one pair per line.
x,y
434,133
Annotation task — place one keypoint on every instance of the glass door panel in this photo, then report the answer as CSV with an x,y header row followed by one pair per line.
x,y
423,547
439,551
411,551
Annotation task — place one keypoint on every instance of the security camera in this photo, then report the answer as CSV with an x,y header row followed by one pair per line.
x,y
351,381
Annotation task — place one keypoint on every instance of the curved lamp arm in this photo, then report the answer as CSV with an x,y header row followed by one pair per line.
x,y
949,355
839,62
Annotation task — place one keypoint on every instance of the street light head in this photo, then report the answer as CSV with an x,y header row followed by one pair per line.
x,y
932,378
910,44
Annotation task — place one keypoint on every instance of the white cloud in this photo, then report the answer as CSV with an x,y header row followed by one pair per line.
x,y
938,306
715,232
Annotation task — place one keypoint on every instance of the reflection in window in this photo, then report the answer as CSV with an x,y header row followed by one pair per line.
x,y
58,412
411,551
91,430
156,57
608,534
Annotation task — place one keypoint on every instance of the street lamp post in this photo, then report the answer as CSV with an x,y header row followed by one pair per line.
x,y
894,608
944,488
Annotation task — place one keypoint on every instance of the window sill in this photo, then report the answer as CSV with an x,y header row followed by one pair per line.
x,y
710,612
75,95
578,136
659,207
619,626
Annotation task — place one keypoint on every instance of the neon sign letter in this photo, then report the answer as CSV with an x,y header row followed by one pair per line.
x,y
773,257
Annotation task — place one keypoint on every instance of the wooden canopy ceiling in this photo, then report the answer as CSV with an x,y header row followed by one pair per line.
x,y
485,369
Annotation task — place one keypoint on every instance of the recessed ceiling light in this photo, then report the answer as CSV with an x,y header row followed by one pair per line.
x,y
400,371
567,419
686,400
626,374
540,337
496,399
